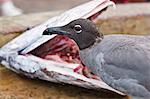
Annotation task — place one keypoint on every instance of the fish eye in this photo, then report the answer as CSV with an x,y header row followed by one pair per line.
x,y
78,28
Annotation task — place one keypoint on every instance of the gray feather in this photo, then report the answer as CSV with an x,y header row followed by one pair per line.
x,y
127,63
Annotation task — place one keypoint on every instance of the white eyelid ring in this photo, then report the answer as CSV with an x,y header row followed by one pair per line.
x,y
78,28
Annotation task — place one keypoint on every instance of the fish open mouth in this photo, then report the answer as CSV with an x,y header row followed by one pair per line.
x,y
62,49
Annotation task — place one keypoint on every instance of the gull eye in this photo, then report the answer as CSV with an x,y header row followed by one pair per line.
x,y
78,28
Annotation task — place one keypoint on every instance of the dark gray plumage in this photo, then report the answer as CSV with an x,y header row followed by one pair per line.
x,y
122,61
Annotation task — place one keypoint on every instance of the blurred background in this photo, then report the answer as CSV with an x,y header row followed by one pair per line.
x,y
16,7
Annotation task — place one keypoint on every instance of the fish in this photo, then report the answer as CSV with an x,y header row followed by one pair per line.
x,y
16,55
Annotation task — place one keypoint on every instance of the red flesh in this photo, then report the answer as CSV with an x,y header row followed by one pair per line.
x,y
61,46
64,50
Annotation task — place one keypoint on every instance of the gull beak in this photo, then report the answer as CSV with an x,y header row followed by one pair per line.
x,y
55,30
